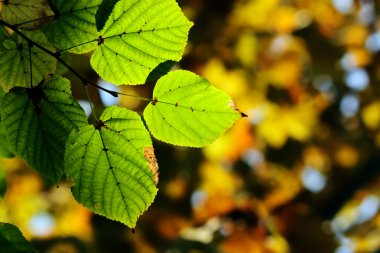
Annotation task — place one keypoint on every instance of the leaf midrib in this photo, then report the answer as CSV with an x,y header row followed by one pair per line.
x,y
114,176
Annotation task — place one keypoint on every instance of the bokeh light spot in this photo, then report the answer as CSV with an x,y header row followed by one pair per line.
x,y
42,224
313,180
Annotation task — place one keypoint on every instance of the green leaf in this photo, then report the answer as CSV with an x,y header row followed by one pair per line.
x,y
62,69
5,150
104,12
38,122
186,110
3,37
15,61
138,36
12,240
113,166
3,182
74,28
4,146
26,14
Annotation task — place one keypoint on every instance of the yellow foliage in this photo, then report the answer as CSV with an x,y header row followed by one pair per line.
x,y
176,188
316,158
284,183
279,123
245,241
70,212
361,57
220,187
346,156
285,72
277,244
169,225
240,138
215,179
354,36
326,17
246,50
368,242
23,197
286,19
12,164
286,61
371,115
232,82
26,198
256,14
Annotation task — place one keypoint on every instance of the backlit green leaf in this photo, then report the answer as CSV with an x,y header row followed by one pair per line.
x,y
26,14
12,240
3,182
3,37
113,166
15,61
4,146
38,122
138,36
186,110
74,28
5,150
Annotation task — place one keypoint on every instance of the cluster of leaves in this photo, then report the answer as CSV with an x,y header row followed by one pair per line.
x,y
275,183
111,162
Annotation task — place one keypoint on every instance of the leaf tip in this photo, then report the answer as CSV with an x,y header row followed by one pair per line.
x,y
234,107
153,165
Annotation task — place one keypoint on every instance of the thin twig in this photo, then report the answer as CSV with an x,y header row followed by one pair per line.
x,y
34,20
91,105
82,44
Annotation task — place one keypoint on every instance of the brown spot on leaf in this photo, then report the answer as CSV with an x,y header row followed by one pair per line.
x,y
97,205
233,106
153,166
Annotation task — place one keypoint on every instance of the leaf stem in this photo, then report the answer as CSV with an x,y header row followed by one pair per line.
x,y
33,20
84,43
89,100
134,96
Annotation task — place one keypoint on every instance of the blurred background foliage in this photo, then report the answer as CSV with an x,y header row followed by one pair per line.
x,y
300,174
